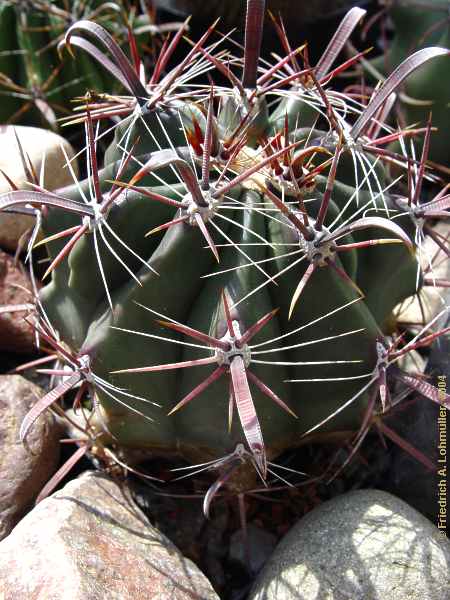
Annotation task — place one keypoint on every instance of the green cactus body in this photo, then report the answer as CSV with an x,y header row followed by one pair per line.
x,y
386,273
299,110
427,91
411,24
428,85
356,168
39,65
82,276
108,337
254,315
31,32
152,130
8,62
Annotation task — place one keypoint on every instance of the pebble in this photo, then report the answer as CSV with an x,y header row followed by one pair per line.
x,y
89,541
36,143
363,545
23,473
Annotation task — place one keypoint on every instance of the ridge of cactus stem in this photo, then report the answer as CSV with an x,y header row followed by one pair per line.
x,y
320,245
305,97
80,371
388,353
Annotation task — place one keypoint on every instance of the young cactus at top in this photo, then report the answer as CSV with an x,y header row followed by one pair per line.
x,y
231,273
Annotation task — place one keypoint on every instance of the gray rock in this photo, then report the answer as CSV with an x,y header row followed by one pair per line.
x,y
23,473
364,545
88,541
37,143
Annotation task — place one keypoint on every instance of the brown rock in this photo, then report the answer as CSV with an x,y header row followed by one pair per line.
x,y
23,473
89,542
16,335
37,143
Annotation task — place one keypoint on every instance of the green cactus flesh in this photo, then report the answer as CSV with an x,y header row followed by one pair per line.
x,y
334,330
418,25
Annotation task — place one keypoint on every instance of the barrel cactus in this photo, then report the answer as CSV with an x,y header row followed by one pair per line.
x,y
229,284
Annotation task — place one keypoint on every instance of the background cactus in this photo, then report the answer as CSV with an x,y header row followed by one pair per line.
x,y
260,310
418,25
38,85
